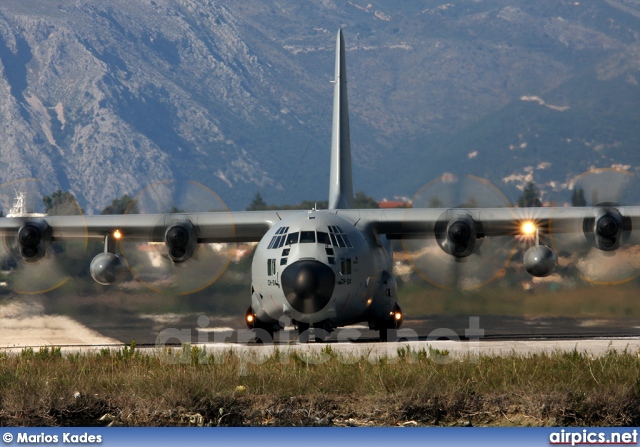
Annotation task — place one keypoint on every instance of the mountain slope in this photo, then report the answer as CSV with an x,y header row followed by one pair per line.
x,y
107,97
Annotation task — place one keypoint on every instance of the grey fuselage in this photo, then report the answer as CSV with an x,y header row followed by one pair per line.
x,y
364,288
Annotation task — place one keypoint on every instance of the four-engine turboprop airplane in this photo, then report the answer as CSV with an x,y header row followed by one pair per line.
x,y
324,268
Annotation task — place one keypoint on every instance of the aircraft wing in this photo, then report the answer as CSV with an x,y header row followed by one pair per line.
x,y
243,226
451,243
609,225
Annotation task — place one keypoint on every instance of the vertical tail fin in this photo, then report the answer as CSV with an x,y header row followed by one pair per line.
x,y
341,186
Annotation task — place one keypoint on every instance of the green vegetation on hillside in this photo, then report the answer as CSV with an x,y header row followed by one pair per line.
x,y
360,201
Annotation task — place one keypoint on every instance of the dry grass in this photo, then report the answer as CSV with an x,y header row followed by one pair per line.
x,y
125,387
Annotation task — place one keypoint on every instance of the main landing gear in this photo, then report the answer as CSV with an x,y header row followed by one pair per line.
x,y
388,328
265,332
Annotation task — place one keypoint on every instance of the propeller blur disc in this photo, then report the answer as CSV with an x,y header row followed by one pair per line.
x,y
490,255
149,262
600,187
22,199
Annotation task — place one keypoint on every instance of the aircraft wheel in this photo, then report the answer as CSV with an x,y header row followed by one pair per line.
x,y
263,331
303,332
388,334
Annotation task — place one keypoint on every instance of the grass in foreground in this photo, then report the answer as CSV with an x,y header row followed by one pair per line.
x,y
126,387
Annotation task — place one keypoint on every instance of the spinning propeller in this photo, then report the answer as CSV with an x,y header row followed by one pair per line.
x,y
178,264
603,246
35,263
459,255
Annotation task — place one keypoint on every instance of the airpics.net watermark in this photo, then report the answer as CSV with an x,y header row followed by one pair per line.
x,y
399,341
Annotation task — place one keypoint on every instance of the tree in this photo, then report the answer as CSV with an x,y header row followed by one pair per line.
x,y
577,198
363,201
61,204
122,205
435,202
360,201
257,204
530,196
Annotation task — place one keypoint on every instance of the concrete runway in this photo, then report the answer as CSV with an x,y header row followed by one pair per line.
x,y
25,324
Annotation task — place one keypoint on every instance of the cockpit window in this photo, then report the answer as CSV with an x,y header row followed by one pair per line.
x,y
307,237
338,237
323,238
279,239
293,238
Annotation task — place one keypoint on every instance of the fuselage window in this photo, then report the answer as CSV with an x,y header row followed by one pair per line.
x,y
283,261
307,237
273,241
347,241
333,238
281,241
331,260
286,251
292,238
348,270
329,251
271,267
323,238
340,241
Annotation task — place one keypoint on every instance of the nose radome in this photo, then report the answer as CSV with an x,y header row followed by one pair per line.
x,y
308,285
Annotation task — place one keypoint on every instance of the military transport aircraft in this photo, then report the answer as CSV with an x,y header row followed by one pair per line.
x,y
326,268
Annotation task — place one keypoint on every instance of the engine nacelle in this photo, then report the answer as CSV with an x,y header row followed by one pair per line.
x,y
33,239
181,240
108,268
608,229
461,236
540,260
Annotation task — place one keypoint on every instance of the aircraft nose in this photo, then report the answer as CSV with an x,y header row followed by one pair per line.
x,y
308,285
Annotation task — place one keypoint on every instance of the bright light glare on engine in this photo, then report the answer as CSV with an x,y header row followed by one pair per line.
x,y
117,235
528,228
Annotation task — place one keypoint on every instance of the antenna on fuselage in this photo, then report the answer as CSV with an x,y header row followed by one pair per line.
x,y
341,181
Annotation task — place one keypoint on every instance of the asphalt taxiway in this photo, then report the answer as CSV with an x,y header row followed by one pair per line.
x,y
26,325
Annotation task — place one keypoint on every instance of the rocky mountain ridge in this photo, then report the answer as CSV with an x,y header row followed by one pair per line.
x,y
107,97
